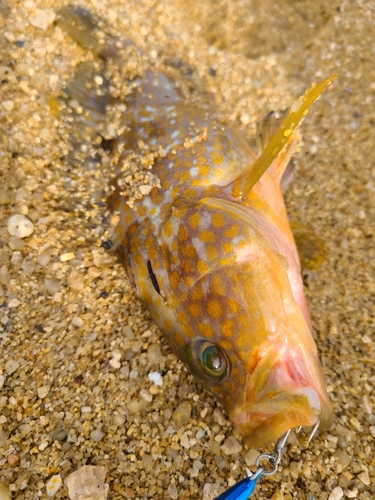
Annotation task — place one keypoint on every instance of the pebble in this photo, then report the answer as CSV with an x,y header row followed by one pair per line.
x,y
53,485
42,19
43,259
144,394
250,457
97,435
60,435
210,491
65,257
154,354
13,459
14,303
51,285
336,493
144,189
181,415
2,381
5,493
343,458
43,391
115,363
8,105
231,446
365,478
118,419
172,491
219,416
20,226
87,483
156,378
11,366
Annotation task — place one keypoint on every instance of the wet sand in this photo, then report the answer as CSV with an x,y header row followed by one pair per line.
x,y
76,347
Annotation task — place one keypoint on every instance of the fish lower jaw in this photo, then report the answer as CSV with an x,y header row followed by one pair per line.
x,y
264,422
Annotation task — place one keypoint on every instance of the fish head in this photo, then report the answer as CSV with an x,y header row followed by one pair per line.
x,y
215,279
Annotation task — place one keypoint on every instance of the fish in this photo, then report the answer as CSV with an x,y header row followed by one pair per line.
x,y
208,248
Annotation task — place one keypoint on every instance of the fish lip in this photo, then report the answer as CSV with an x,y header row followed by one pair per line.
x,y
302,407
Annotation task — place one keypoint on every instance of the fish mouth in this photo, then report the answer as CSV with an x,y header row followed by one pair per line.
x,y
292,395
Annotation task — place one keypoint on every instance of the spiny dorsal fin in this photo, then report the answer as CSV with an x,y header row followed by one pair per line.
x,y
284,135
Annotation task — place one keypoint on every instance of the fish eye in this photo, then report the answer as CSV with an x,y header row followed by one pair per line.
x,y
207,359
154,281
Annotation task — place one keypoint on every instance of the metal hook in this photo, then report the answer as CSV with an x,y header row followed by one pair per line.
x,y
315,428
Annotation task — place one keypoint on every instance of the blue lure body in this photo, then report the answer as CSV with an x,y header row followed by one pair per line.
x,y
241,490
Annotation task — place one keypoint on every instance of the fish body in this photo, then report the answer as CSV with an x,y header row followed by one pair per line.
x,y
211,254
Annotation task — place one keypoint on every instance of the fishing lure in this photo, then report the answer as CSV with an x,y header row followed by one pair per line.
x,y
209,250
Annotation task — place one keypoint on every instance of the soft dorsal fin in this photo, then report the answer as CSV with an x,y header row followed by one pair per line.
x,y
243,184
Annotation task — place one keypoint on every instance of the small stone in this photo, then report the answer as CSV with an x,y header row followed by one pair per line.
x,y
60,436
51,285
372,430
343,457
14,303
75,280
365,478
156,378
118,419
11,366
144,394
231,446
78,321
43,259
42,19
43,446
336,493
53,485
20,226
181,415
210,491
5,493
87,483
115,363
43,391
13,459
154,354
8,105
97,435
172,491
117,354
65,257
250,457
2,381
137,405
144,189
219,417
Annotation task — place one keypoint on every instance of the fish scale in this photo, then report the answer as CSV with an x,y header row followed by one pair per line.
x,y
209,250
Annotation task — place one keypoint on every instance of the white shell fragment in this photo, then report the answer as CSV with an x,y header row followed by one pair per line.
x,y
20,226
87,483
53,485
156,378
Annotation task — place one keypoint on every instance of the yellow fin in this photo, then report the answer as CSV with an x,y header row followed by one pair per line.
x,y
283,136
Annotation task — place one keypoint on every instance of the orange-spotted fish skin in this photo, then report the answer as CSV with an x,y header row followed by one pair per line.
x,y
215,262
